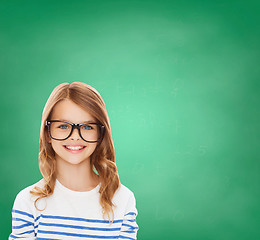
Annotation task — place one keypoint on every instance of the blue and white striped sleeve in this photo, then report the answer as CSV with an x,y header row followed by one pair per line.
x,y
22,218
129,226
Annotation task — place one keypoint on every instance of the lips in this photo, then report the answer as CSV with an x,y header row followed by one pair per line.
x,y
74,148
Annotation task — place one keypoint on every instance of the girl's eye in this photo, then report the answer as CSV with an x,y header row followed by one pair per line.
x,y
86,127
63,126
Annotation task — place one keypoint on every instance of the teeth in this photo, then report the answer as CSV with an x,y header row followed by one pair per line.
x,y
74,148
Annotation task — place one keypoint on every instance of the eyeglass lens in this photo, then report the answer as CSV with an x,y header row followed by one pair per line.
x,y
61,130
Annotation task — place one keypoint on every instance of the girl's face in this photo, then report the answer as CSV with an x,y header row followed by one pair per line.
x,y
67,110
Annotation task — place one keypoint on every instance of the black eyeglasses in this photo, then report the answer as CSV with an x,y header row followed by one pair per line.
x,y
61,130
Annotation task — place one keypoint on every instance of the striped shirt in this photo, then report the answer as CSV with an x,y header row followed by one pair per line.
x,y
73,215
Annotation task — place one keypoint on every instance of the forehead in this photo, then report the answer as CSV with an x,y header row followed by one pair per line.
x,y
70,111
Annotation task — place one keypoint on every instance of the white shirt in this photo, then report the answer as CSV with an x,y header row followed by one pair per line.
x,y
73,215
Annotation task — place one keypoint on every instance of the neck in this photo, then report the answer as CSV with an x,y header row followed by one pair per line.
x,y
77,177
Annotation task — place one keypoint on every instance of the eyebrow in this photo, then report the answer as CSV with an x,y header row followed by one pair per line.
x,y
88,121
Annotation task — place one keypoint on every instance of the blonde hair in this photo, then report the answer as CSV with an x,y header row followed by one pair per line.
x,y
103,158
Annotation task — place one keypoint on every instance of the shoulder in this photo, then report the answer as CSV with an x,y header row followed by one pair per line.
x,y
124,190
25,195
123,193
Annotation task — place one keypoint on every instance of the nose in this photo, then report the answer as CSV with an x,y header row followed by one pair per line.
x,y
75,134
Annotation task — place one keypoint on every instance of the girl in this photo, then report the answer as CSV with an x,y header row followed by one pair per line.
x,y
80,187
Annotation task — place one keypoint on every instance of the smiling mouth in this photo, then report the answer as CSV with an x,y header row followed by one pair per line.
x,y
74,148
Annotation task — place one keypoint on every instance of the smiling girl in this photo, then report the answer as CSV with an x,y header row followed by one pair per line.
x,y
80,188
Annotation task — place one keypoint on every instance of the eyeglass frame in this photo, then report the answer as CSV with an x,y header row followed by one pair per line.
x,y
77,126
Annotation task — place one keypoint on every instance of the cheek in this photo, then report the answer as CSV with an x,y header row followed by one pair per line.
x,y
91,148
56,146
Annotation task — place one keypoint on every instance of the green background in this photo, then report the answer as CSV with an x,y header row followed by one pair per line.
x,y
180,80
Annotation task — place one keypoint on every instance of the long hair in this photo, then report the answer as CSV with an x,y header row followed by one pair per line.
x,y
102,159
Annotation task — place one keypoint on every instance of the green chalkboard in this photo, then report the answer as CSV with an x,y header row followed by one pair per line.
x,y
180,80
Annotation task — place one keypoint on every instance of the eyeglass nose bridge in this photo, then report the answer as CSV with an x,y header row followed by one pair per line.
x,y
77,126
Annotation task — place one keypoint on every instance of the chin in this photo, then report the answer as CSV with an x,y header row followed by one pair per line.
x,y
76,162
